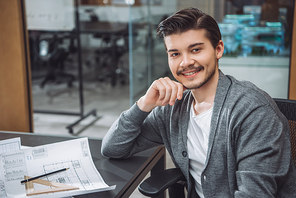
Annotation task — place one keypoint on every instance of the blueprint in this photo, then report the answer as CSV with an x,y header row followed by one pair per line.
x,y
12,144
72,154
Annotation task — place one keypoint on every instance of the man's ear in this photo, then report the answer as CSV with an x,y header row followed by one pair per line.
x,y
219,49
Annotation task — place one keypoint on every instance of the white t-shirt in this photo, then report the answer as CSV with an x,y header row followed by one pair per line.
x,y
197,143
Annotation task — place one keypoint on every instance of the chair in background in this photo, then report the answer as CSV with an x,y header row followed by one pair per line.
x,y
48,55
54,57
107,56
174,180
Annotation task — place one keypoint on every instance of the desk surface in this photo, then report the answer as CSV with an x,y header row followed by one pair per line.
x,y
125,174
103,27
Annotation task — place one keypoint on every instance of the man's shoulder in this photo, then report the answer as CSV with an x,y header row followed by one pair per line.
x,y
247,89
247,94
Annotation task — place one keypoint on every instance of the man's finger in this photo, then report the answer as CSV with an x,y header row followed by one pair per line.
x,y
181,89
168,90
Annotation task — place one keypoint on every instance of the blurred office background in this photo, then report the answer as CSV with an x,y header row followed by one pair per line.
x,y
92,59
95,58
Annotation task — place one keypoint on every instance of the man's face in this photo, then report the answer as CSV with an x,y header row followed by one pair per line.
x,y
192,59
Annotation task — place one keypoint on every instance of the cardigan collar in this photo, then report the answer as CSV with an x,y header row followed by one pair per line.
x,y
223,87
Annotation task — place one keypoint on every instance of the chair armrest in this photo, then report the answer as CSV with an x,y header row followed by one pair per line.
x,y
159,182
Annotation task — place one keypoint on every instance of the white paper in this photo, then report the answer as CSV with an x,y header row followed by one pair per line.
x,y
12,144
72,154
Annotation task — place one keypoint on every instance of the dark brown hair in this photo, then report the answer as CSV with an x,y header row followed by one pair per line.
x,y
190,19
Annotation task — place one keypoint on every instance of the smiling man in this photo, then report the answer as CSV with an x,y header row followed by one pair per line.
x,y
227,136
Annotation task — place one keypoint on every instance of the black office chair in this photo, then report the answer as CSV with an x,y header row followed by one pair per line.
x,y
288,108
46,51
107,57
174,180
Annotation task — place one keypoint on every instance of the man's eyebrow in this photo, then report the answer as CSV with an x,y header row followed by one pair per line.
x,y
190,46
172,50
194,45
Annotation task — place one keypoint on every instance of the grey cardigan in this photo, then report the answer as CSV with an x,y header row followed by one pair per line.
x,y
249,147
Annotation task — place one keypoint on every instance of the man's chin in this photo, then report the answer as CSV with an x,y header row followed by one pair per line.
x,y
192,86
195,85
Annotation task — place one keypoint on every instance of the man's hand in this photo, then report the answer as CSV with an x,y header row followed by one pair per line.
x,y
162,92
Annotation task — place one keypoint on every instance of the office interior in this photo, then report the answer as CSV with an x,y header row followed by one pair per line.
x,y
89,60
119,64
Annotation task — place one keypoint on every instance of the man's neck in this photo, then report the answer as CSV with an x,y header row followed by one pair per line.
x,y
204,97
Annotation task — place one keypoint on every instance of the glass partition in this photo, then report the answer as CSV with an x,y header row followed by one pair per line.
x,y
118,54
148,58
53,51
257,41
257,44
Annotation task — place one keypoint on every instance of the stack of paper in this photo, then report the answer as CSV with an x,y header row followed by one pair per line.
x,y
73,154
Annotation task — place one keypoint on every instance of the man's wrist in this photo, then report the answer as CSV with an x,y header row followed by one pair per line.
x,y
143,106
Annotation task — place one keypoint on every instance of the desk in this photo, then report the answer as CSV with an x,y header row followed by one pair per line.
x,y
125,174
103,27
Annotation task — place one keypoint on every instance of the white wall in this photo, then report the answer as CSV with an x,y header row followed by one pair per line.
x,y
268,73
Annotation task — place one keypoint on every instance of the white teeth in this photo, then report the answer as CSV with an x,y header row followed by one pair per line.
x,y
190,73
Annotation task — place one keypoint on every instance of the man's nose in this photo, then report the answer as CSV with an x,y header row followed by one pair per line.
x,y
186,60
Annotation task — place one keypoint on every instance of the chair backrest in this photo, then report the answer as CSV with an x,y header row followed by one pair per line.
x,y
288,108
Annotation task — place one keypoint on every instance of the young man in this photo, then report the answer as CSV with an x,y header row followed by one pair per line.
x,y
227,136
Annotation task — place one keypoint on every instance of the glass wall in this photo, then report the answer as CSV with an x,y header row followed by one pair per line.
x,y
118,54
148,58
257,37
256,34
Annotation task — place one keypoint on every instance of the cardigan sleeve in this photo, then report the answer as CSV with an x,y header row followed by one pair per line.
x,y
132,132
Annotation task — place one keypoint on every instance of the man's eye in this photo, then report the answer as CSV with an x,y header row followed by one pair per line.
x,y
174,54
195,50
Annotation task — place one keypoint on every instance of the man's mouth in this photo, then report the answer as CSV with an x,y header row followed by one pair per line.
x,y
190,72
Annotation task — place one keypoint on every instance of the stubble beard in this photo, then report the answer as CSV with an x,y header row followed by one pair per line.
x,y
209,76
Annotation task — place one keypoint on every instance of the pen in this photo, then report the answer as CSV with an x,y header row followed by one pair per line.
x,y
33,178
